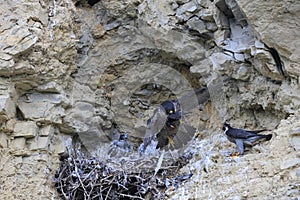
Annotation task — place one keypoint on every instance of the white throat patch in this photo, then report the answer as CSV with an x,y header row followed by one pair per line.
x,y
226,129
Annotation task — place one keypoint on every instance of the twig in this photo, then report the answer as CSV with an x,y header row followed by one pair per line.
x,y
62,190
92,188
107,194
130,196
76,171
89,174
159,162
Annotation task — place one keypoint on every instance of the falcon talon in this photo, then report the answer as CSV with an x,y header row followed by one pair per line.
x,y
171,141
234,155
243,137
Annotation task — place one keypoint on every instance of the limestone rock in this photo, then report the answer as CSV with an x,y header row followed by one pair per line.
x,y
80,116
17,40
298,172
220,36
46,131
7,107
237,12
196,24
290,163
3,140
295,139
220,18
206,15
242,73
59,147
35,110
27,129
182,1
276,22
18,143
8,126
211,26
83,92
98,31
40,106
50,87
20,68
39,143
7,63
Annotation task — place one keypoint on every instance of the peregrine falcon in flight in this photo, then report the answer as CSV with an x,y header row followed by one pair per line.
x,y
165,122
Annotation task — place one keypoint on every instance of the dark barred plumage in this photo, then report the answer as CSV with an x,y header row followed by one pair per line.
x,y
243,137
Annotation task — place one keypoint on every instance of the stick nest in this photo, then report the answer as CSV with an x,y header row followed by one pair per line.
x,y
82,177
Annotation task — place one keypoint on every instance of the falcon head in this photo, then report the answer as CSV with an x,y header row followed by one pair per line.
x,y
226,127
172,109
123,136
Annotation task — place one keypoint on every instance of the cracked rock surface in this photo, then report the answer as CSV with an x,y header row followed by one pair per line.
x,y
77,70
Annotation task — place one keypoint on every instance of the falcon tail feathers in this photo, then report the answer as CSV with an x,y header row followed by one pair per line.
x,y
268,137
257,131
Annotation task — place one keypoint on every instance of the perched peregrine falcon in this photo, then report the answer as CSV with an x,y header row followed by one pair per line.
x,y
243,137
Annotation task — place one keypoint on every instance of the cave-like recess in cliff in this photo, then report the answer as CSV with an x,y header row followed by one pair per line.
x,y
117,171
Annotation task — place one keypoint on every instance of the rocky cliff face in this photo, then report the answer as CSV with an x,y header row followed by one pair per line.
x,y
79,69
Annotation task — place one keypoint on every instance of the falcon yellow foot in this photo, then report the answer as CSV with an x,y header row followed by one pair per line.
x,y
171,141
234,155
